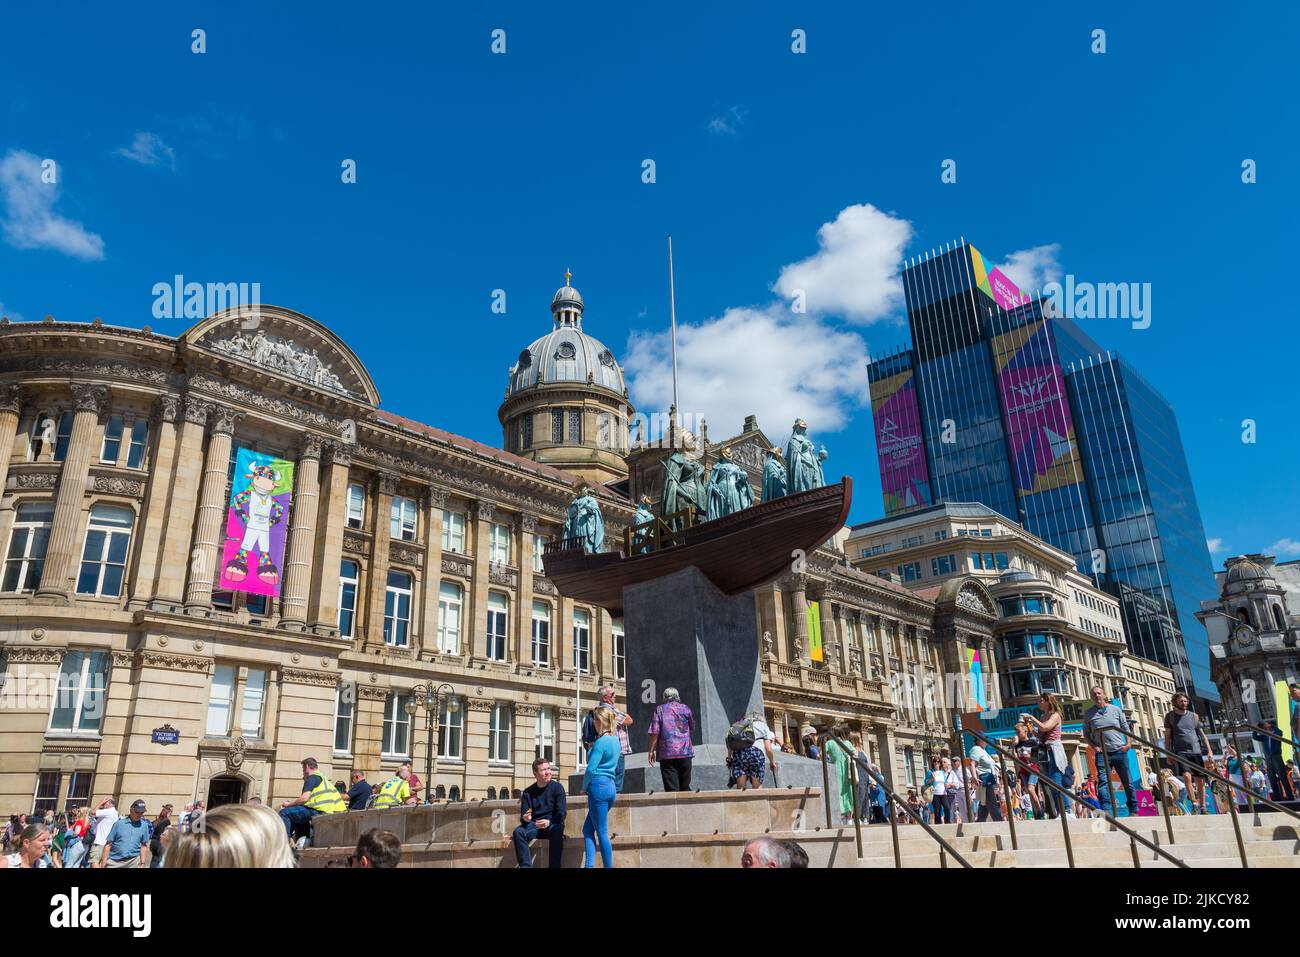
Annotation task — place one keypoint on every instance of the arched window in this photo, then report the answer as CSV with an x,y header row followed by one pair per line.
x,y
103,559
1244,615
25,556
497,628
516,793
440,793
454,793
1279,619
492,794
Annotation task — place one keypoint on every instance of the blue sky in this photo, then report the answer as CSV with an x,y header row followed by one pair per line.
x,y
478,172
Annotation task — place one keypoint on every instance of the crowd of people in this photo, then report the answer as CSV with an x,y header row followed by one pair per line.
x,y
991,781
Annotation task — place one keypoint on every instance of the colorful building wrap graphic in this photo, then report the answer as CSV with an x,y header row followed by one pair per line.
x,y
1285,716
813,615
975,668
995,284
1035,410
904,480
252,559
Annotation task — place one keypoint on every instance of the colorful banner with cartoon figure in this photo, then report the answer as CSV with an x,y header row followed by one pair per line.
x,y
257,522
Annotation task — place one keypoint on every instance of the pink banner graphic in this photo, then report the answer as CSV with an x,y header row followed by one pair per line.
x,y
252,557
904,479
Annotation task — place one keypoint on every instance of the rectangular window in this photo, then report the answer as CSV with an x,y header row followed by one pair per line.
x,y
451,730
82,693
496,626
349,579
63,437
449,609
539,550
250,715
397,726
402,524
581,641
78,789
575,426
112,446
1000,561
256,604
499,735
25,557
103,558
557,426
221,699
343,718
356,505
909,767
139,441
397,609
47,791
545,734
541,634
618,651
453,532
526,431
499,544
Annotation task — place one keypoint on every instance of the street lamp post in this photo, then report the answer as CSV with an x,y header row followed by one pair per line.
x,y
430,699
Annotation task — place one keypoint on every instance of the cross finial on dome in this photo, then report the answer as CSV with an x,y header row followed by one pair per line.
x,y
567,276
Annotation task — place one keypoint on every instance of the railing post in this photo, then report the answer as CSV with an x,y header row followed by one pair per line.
x,y
1164,809
1063,805
826,782
1236,826
1011,817
898,850
1105,769
857,816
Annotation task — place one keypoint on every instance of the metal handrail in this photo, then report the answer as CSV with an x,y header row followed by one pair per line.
x,y
1134,836
894,799
1277,737
1213,774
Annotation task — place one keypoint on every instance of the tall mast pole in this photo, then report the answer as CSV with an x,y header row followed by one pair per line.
x,y
672,313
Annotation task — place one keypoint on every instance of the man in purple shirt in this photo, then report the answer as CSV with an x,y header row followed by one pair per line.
x,y
670,741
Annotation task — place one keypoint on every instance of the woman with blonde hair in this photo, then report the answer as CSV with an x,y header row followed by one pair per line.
x,y
598,785
31,848
233,835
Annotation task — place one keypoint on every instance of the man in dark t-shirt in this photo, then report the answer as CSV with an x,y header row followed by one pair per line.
x,y
359,793
1184,737
542,808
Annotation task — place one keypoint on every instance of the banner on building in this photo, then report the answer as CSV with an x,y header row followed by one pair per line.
x,y
975,668
1285,709
813,616
1035,410
904,479
252,557
993,282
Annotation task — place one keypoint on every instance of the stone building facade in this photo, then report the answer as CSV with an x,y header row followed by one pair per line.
x,y
412,564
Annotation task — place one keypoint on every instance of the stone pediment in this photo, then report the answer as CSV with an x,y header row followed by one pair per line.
x,y
286,343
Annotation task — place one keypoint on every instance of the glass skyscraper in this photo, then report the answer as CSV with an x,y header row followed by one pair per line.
x,y
998,401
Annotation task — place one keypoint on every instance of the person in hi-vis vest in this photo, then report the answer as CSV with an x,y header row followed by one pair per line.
x,y
394,791
319,796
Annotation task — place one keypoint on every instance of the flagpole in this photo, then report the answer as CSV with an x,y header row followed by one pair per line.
x,y
672,314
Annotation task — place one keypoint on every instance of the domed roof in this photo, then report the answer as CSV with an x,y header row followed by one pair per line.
x,y
567,297
1243,569
566,354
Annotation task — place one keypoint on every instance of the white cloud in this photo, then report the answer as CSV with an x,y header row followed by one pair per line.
x,y
148,149
1214,544
1033,268
856,272
729,122
752,361
1284,546
30,221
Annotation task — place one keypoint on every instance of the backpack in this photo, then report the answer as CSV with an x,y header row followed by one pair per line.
x,y
1067,777
589,729
741,735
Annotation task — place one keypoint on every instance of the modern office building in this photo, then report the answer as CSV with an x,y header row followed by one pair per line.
x,y
998,400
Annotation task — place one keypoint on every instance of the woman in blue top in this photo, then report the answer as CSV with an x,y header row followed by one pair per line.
x,y
598,785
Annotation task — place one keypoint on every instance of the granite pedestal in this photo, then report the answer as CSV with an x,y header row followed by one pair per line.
x,y
684,633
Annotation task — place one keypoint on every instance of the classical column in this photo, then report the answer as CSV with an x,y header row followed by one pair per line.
x,y
779,603
302,534
60,554
331,520
11,399
830,644
479,575
181,497
435,500
383,486
799,612
209,525
152,529
526,527
368,734
885,748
